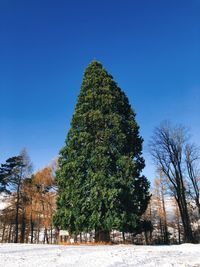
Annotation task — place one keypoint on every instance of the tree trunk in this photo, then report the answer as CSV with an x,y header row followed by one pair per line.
x,y
27,234
179,233
81,238
46,236
38,235
23,228
161,231
17,216
51,234
9,233
146,237
3,232
166,236
123,235
32,229
188,236
198,205
102,236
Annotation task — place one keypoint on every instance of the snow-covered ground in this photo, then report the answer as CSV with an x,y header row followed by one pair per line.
x,y
25,255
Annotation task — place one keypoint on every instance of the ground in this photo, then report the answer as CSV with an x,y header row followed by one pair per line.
x,y
27,255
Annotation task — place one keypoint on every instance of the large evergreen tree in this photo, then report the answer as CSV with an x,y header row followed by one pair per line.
x,y
99,173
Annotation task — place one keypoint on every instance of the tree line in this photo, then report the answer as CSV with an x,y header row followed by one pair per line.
x,y
30,198
98,192
29,201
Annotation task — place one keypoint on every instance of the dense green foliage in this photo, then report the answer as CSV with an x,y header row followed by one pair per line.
x,y
9,173
99,174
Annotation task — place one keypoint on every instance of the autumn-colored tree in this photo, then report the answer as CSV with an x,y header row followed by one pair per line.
x,y
41,203
159,200
36,207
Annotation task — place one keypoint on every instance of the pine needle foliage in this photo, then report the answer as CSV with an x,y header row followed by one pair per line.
x,y
99,174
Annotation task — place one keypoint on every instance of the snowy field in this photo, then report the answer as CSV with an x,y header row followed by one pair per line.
x,y
25,255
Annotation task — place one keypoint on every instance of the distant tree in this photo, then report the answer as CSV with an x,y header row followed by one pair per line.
x,y
43,201
3,178
99,168
192,159
159,198
146,227
7,219
167,148
15,171
176,223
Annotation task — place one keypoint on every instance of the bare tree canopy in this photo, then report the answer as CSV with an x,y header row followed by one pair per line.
x,y
175,157
192,159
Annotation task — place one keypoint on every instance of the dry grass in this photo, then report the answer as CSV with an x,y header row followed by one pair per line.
x,y
86,243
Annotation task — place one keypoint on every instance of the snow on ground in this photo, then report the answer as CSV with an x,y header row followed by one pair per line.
x,y
25,255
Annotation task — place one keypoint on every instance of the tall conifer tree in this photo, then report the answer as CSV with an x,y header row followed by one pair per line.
x,y
99,174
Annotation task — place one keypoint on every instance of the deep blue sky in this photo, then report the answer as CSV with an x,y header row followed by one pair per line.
x,y
152,49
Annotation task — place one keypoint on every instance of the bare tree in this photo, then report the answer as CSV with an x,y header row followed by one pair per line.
x,y
192,158
167,148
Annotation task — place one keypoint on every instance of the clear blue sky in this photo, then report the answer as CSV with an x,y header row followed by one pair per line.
x,y
152,49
